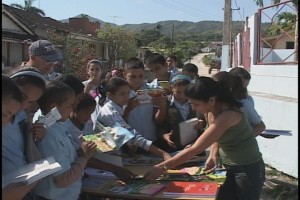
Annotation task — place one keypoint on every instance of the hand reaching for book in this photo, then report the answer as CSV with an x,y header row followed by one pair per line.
x,y
210,164
167,138
89,149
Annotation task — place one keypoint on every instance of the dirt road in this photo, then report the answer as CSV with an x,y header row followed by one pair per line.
x,y
202,69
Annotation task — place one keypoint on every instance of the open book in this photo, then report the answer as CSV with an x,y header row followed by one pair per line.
x,y
32,172
187,131
50,118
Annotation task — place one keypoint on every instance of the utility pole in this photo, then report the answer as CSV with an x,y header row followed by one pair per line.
x,y
231,38
226,36
172,38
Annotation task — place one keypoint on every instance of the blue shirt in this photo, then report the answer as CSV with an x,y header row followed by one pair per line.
x,y
141,118
111,115
184,109
13,155
250,112
58,143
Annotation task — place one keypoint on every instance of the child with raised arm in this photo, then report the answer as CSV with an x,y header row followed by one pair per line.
x,y
80,123
77,127
143,117
112,113
66,183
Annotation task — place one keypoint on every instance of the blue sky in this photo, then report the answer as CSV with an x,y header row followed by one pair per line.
x,y
144,11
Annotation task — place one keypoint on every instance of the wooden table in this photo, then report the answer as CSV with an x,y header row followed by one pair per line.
x,y
138,170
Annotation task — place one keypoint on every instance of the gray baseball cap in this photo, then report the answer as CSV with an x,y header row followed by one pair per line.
x,y
44,49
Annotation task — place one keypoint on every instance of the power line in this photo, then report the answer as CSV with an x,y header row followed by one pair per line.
x,y
172,6
242,18
192,8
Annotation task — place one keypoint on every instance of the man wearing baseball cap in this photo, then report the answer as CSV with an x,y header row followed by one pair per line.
x,y
43,56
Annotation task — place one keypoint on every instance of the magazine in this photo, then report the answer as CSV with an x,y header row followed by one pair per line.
x,y
110,138
32,172
191,189
277,132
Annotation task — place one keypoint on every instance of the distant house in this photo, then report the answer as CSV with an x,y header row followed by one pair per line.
x,y
281,41
213,46
20,29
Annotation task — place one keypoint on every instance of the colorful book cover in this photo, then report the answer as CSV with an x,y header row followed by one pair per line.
x,y
145,96
191,189
110,138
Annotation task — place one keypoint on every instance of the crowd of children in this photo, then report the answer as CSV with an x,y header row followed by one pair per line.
x,y
114,102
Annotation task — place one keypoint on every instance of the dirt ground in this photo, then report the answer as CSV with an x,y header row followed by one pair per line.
x,y
279,186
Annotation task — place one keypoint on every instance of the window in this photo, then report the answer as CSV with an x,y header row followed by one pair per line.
x,y
290,45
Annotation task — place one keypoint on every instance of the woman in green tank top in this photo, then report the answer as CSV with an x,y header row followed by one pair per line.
x,y
229,135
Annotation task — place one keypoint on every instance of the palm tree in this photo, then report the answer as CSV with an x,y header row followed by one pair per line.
x,y
28,7
260,3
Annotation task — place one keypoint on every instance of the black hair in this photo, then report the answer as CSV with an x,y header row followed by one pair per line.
x,y
206,87
56,92
155,58
134,63
10,89
85,101
190,67
234,82
173,57
241,72
71,81
94,61
115,83
37,80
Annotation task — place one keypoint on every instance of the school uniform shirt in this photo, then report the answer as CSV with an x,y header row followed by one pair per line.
x,y
184,109
155,83
77,133
252,116
141,118
13,148
58,143
111,115
175,71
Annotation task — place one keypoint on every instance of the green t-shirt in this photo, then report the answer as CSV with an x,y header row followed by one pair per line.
x,y
238,145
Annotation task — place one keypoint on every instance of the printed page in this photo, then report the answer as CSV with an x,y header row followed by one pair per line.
x,y
32,172
187,131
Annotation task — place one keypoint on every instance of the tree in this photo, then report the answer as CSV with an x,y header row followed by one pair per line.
x,y
121,43
295,3
77,52
28,7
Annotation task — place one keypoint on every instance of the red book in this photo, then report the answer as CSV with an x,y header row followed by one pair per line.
x,y
191,189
